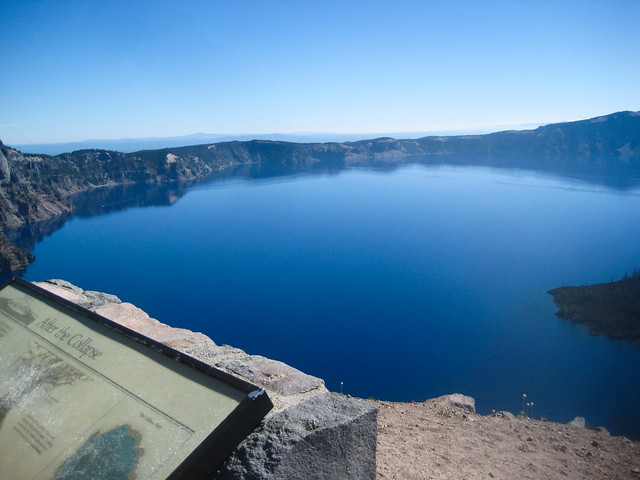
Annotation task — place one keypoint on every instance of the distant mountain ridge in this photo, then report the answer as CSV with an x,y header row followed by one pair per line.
x,y
128,145
35,187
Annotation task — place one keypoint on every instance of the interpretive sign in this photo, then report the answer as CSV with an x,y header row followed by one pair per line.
x,y
84,397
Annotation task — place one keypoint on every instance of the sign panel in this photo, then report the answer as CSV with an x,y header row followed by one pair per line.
x,y
83,397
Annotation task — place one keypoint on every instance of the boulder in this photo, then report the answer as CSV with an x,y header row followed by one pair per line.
x,y
578,422
329,436
505,414
461,401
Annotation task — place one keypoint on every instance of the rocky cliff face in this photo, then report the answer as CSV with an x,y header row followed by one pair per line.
x,y
12,257
35,187
24,197
22,200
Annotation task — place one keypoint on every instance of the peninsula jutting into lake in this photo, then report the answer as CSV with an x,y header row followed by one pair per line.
x,y
610,309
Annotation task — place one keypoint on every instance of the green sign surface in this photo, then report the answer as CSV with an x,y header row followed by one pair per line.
x,y
81,397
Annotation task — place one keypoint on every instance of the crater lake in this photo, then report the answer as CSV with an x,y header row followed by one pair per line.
x,y
403,284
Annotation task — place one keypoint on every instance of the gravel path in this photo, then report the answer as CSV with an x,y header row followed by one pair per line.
x,y
444,438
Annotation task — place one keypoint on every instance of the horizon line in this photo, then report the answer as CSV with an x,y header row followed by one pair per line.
x,y
312,136
311,133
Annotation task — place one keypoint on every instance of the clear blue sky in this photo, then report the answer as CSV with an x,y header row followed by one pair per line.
x,y
76,70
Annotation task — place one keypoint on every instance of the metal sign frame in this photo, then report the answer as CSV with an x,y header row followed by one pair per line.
x,y
202,461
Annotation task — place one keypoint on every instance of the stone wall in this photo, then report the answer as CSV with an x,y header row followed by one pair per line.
x,y
310,433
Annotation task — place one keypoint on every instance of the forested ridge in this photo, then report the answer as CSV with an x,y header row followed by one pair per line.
x,y
36,187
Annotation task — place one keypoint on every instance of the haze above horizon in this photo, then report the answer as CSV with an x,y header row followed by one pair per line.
x,y
111,70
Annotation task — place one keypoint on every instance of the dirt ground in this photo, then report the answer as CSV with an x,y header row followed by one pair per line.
x,y
443,439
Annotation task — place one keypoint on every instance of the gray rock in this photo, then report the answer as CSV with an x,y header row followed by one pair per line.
x,y
272,374
5,172
505,414
85,298
64,284
329,436
578,422
462,401
98,299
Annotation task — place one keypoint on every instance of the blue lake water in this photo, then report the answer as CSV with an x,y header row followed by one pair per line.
x,y
403,285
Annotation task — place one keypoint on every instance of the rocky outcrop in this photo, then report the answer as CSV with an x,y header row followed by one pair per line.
x,y
5,172
12,257
311,433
